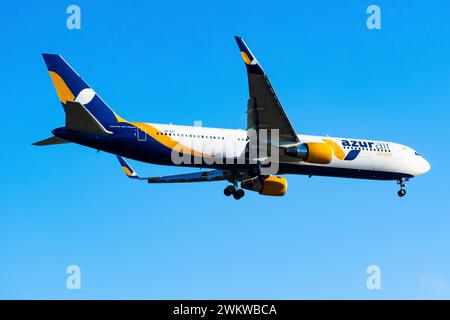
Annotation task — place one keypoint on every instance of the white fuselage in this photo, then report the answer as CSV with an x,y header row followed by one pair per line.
x,y
371,155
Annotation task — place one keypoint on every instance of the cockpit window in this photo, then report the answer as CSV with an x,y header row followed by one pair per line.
x,y
415,152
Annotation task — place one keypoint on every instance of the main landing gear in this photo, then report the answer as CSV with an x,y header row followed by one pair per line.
x,y
402,183
233,190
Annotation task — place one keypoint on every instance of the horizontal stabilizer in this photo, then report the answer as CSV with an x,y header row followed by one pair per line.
x,y
50,141
78,118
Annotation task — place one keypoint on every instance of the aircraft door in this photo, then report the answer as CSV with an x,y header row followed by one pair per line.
x,y
141,135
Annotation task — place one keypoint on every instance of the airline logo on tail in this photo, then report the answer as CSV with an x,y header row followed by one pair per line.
x,y
70,86
65,94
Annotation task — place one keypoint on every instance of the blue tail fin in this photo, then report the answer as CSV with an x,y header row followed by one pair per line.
x,y
71,87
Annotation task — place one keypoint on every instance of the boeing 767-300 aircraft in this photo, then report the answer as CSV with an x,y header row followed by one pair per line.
x,y
229,154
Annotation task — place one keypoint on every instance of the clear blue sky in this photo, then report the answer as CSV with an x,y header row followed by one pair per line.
x,y
178,62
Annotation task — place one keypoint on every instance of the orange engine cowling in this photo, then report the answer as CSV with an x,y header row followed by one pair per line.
x,y
271,186
314,152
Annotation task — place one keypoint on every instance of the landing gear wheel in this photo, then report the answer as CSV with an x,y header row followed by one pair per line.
x,y
402,183
238,194
228,191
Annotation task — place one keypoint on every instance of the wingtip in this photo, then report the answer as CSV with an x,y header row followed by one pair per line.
x,y
127,168
121,160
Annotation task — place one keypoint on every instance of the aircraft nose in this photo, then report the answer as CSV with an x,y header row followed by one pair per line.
x,y
423,166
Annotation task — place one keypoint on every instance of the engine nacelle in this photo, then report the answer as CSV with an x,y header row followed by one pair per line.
x,y
271,186
314,152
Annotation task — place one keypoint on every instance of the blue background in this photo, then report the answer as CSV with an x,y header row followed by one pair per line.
x,y
178,62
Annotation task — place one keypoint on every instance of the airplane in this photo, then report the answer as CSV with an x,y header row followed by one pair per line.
x,y
91,122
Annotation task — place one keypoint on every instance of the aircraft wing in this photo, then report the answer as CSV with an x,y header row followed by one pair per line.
x,y
264,110
213,175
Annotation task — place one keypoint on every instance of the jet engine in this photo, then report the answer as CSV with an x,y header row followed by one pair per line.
x,y
313,152
270,186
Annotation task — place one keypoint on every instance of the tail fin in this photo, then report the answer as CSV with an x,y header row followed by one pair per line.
x,y
71,87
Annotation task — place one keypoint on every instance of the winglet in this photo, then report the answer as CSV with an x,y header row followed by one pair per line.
x,y
127,168
250,60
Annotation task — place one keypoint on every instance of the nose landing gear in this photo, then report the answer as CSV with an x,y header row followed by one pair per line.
x,y
402,183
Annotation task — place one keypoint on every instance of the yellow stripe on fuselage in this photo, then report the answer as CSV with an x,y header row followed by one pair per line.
x,y
178,147
167,141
